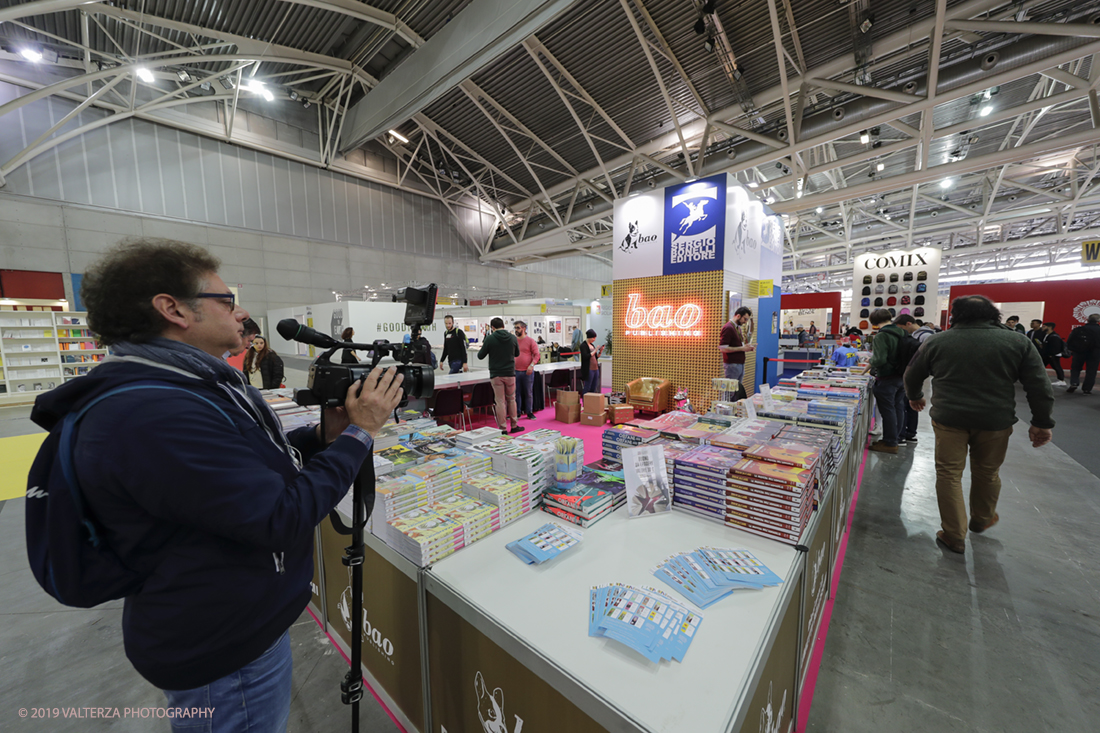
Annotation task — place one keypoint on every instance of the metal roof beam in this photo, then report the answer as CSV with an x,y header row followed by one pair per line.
x,y
362,11
481,33
1075,30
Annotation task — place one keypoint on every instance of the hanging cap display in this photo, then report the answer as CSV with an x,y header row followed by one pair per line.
x,y
922,275
908,276
867,280
878,302
893,277
893,288
865,301
922,287
905,300
866,289
891,301
918,312
881,278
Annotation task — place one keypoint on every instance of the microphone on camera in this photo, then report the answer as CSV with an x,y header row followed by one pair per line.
x,y
291,330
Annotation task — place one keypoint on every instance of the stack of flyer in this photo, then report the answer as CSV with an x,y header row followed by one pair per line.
x,y
568,462
477,518
511,495
423,535
647,620
710,574
472,438
545,543
617,437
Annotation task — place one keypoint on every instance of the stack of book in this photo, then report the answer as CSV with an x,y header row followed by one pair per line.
x,y
472,438
770,499
532,463
470,463
605,476
511,495
701,481
624,436
583,505
423,536
382,466
669,423
535,437
397,495
477,518
747,432
402,457
441,476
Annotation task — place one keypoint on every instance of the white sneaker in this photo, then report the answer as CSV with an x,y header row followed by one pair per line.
x,y
1058,384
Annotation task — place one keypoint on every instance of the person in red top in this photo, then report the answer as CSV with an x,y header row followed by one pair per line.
x,y
525,370
732,347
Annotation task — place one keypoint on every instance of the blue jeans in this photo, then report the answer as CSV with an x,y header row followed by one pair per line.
x,y
890,395
254,699
525,393
734,371
456,367
592,383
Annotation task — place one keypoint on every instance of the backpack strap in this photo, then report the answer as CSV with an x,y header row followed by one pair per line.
x,y
65,445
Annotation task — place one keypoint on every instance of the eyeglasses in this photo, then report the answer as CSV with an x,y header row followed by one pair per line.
x,y
221,296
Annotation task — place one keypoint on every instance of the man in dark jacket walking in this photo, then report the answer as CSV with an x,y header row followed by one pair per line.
x,y
888,389
194,486
1052,349
502,349
1084,342
455,345
976,364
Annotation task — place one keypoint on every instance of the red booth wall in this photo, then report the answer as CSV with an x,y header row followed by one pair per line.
x,y
32,285
828,301
1062,298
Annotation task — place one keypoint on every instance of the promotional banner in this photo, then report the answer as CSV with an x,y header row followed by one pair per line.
x,y
903,282
710,224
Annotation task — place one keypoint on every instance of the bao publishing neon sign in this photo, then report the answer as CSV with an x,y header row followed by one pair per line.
x,y
661,320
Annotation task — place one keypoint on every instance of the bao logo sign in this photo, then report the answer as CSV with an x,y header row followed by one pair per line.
x,y
695,226
634,237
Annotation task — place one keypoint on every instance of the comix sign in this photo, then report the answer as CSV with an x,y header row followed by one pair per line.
x,y
695,225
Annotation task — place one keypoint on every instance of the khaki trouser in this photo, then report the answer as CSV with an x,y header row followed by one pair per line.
x,y
987,452
504,389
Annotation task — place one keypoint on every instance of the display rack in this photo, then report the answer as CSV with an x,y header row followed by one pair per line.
x,y
41,350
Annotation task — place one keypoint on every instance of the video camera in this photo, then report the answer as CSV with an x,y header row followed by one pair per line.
x,y
328,383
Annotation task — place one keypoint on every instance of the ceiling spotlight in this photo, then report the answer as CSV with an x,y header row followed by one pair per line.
x,y
864,137
145,75
770,200
651,183
293,96
226,83
588,206
708,45
820,209
880,167
700,27
183,76
985,111
753,184
708,7
206,86
306,104
399,137
946,183
30,55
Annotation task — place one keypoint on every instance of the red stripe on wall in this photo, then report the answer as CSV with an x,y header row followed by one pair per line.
x,y
31,284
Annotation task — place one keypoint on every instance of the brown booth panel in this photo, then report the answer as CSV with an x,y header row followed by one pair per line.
x,y
477,686
815,589
391,632
770,709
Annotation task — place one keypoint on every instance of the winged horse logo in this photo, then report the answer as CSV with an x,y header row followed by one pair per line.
x,y
696,214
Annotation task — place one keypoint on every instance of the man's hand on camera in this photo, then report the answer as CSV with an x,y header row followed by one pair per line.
x,y
370,408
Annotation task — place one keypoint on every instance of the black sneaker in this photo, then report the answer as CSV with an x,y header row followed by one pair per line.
x,y
530,416
910,439
1086,391
516,429
1071,388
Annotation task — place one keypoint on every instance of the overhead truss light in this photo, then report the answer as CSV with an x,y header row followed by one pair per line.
x,y
30,54
258,87
947,183
820,209
864,137
986,110
145,75
226,83
183,75
399,137
880,167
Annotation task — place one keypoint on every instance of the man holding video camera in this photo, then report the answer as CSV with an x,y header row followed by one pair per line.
x,y
194,486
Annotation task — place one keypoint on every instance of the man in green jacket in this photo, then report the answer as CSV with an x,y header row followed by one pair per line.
x,y
502,349
889,390
976,364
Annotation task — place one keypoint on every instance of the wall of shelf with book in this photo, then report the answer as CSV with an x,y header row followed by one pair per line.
x,y
40,350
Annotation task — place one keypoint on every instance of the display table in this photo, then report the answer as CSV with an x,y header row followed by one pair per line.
x,y
481,634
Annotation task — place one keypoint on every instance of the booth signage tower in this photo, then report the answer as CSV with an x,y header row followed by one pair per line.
x,y
686,256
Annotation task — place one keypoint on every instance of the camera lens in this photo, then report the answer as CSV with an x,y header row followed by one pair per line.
x,y
418,380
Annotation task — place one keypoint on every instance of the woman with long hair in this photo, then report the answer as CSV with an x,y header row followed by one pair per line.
x,y
348,356
262,366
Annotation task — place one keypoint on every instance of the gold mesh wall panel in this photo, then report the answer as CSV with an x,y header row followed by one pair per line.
x,y
687,361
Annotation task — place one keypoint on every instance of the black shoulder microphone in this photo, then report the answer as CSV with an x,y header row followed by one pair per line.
x,y
291,330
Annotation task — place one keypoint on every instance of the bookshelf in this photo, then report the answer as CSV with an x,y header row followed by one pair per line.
x,y
41,350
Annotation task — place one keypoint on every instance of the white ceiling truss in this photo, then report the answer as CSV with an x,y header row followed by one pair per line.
x,y
999,96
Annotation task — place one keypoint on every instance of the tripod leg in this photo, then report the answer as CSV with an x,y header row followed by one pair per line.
x,y
362,492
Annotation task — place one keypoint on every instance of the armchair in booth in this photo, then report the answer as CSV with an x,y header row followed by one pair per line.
x,y
649,394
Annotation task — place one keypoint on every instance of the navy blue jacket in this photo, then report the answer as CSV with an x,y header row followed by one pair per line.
x,y
218,517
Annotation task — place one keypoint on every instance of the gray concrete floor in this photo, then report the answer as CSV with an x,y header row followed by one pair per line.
x,y
1005,638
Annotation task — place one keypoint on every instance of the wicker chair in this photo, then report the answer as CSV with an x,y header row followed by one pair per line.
x,y
649,394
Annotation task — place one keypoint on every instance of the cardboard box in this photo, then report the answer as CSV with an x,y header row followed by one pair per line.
x,y
594,403
567,413
621,413
598,419
568,398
